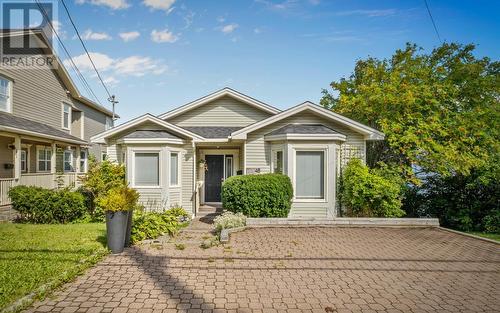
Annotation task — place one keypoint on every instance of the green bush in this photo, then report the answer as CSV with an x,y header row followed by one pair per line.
x,y
368,192
46,206
101,177
151,225
266,195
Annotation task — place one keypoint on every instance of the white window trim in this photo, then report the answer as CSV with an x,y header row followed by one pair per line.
x,y
179,168
38,148
25,152
226,157
10,91
160,168
64,104
323,149
276,150
85,161
70,161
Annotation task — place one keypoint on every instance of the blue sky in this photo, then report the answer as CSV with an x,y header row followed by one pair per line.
x,y
158,54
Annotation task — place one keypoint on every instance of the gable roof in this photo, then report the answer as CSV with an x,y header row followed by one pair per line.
x,y
101,138
9,122
59,67
216,95
148,134
303,129
368,132
212,132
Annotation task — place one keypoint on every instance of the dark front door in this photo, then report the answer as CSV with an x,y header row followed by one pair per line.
x,y
213,177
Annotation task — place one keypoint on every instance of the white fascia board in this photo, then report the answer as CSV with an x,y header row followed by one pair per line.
x,y
218,94
150,140
306,137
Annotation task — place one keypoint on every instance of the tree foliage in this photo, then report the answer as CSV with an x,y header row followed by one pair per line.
x,y
440,111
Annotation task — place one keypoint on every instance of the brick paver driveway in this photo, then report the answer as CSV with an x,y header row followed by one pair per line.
x,y
297,270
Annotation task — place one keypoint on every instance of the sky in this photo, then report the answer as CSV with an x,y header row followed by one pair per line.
x,y
155,55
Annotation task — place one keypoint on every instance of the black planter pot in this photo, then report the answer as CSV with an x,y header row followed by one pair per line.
x,y
129,228
116,227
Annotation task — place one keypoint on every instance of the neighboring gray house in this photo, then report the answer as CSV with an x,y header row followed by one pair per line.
x,y
183,156
45,123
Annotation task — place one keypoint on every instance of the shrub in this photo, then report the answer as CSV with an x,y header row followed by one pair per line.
x,y
101,177
229,220
119,199
266,195
151,225
370,193
46,206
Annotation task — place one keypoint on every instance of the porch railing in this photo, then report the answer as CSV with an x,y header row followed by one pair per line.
x,y
44,180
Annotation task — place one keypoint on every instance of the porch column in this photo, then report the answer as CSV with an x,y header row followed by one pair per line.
x,y
53,159
78,159
17,157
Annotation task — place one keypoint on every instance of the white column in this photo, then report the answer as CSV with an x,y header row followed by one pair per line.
x,y
53,159
78,159
17,157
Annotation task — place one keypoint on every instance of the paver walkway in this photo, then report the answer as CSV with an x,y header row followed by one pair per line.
x,y
296,270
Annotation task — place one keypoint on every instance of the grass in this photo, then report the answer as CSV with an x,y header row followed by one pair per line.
x,y
36,256
487,235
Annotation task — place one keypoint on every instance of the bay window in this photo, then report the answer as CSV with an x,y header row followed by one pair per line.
x,y
174,169
146,169
310,175
277,161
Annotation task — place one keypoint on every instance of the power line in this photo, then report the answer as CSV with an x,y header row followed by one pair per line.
x,y
432,20
85,48
79,74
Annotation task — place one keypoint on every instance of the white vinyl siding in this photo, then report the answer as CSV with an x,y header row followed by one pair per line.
x,y
146,169
5,95
225,111
310,175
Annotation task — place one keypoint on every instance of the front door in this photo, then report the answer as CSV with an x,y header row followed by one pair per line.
x,y
213,177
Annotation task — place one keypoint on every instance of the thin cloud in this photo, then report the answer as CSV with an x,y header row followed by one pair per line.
x,y
90,35
160,36
129,36
161,5
229,28
279,5
368,13
112,4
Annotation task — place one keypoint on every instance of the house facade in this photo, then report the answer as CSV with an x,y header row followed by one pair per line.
x,y
45,123
183,156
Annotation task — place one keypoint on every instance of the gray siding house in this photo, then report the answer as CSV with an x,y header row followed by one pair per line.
x,y
45,123
183,156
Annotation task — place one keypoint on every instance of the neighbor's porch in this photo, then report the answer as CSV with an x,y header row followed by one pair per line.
x,y
37,162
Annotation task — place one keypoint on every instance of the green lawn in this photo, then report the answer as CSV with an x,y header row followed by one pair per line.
x,y
487,235
34,255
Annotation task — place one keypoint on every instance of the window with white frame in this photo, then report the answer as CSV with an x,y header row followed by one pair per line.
x,y
174,169
310,175
68,161
5,95
44,155
24,161
109,123
277,160
83,161
146,169
66,117
228,168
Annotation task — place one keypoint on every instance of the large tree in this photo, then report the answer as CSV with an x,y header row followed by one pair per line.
x,y
440,111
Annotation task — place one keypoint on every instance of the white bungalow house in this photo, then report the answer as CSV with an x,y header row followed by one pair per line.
x,y
183,156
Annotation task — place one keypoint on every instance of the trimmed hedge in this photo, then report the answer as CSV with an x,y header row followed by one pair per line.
x,y
47,206
264,195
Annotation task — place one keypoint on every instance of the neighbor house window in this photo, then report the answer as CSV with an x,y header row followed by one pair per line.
x,y
83,161
310,175
68,161
24,161
44,156
174,169
109,123
66,122
278,161
5,95
146,169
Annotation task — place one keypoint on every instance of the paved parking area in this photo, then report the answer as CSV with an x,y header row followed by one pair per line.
x,y
296,270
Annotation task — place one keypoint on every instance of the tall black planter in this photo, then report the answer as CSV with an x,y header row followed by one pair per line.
x,y
129,228
116,226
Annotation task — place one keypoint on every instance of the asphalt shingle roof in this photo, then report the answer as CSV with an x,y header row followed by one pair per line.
x,y
151,134
303,129
214,132
9,120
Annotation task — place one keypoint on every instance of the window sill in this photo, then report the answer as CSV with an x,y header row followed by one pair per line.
x,y
312,200
147,187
